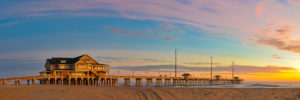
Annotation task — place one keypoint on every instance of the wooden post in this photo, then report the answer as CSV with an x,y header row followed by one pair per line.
x,y
48,81
109,82
19,82
175,82
99,82
75,81
158,82
69,81
33,81
167,82
61,81
116,82
92,81
127,82
138,82
55,80
149,82
88,81
4,82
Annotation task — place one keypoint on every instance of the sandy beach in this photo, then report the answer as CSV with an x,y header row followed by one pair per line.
x,y
51,92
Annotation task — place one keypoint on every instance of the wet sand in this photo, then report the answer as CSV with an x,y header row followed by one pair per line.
x,y
51,92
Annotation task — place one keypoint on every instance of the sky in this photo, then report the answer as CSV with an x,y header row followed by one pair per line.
x,y
140,36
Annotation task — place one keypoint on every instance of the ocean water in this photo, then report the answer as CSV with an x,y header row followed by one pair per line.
x,y
251,85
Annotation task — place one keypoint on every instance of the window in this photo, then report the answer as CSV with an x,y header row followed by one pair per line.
x,y
63,61
87,60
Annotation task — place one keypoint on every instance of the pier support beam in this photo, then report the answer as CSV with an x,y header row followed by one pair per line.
x,y
18,82
167,82
69,81
75,81
158,82
108,82
4,82
138,82
55,81
88,81
103,80
99,82
175,82
116,82
127,82
149,82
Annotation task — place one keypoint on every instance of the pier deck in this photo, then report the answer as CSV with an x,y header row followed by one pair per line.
x,y
113,80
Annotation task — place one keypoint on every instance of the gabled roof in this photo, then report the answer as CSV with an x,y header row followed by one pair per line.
x,y
55,60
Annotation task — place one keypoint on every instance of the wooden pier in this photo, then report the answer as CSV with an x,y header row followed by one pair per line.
x,y
114,80
84,70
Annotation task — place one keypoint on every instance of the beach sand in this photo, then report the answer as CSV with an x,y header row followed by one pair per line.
x,y
51,92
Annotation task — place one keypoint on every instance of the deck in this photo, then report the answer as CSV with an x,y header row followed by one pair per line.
x,y
113,80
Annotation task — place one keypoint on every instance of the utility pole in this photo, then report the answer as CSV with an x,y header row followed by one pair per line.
x,y
211,62
175,62
232,69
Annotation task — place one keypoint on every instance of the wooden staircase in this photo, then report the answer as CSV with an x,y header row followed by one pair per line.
x,y
95,73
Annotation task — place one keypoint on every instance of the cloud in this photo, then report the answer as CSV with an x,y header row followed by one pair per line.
x,y
201,63
259,10
238,69
128,59
123,32
164,30
8,23
279,37
276,57
169,26
198,13
236,19
170,39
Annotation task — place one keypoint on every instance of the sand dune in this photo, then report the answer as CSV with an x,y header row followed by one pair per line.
x,y
50,92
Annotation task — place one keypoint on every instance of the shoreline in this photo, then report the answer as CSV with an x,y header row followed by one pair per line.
x,y
50,92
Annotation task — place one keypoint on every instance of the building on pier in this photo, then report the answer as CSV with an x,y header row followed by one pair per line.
x,y
83,65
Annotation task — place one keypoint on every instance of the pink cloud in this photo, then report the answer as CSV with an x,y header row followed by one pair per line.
x,y
276,56
279,37
123,32
226,18
170,39
259,10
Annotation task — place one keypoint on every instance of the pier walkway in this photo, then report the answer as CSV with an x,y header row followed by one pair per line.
x,y
113,80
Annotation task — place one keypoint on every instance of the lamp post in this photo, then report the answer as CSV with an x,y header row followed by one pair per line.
x,y
211,62
232,69
175,62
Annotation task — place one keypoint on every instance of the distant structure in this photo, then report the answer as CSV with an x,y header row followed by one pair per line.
x,y
81,65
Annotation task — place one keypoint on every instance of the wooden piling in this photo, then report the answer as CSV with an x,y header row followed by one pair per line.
x,y
138,82
149,82
127,82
